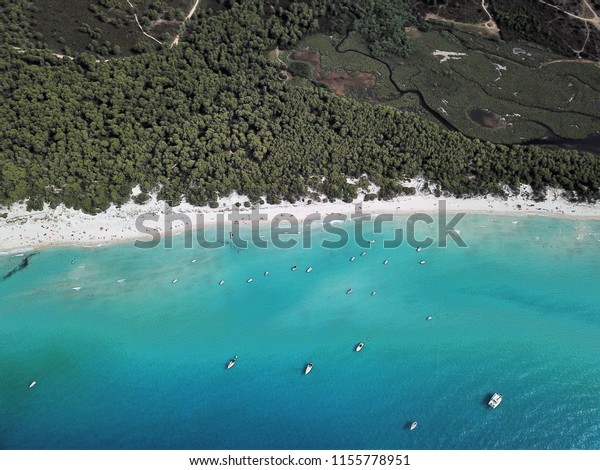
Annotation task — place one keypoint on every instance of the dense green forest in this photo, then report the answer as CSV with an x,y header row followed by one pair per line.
x,y
212,116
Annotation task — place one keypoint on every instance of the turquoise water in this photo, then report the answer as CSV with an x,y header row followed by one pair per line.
x,y
141,364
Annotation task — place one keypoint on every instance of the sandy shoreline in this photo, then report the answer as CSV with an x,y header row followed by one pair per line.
x,y
22,230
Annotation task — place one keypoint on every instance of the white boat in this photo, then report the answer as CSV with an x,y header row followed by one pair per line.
x,y
363,253
349,291
249,280
373,294
308,368
310,268
413,425
371,241
359,346
76,288
232,362
429,318
353,258
193,261
174,281
422,261
386,262
221,282
419,248
32,384
294,268
266,273
495,400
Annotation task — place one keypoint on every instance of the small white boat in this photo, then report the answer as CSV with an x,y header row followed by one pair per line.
x,y
495,400
359,346
422,261
429,318
174,281
193,261
413,425
249,280
349,291
363,253
386,262
419,248
308,368
371,241
121,281
294,268
353,258
76,288
266,273
310,268
32,384
221,282
232,362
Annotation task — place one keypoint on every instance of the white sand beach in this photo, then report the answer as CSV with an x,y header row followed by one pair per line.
x,y
22,230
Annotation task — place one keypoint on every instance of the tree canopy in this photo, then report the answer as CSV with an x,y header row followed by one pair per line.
x,y
212,116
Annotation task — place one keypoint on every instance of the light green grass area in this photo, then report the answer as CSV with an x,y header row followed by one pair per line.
x,y
529,88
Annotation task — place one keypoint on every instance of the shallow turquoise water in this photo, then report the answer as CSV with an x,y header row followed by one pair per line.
x,y
141,364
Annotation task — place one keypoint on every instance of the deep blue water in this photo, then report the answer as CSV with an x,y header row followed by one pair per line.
x,y
141,364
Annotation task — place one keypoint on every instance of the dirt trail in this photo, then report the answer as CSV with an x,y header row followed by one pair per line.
x,y
189,15
489,27
594,20
491,23
140,26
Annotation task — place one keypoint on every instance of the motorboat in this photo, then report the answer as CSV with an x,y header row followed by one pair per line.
x,y
495,400
422,261
32,384
232,362
294,268
363,253
386,262
373,294
359,346
310,268
308,368
353,258
413,425
349,291
419,248
221,282
76,288
249,280
174,281
266,273
429,318
193,261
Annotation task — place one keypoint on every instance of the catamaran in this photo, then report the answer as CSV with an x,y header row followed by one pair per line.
x,y
495,400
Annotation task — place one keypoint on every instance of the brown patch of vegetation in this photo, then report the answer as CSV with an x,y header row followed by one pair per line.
x,y
337,80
